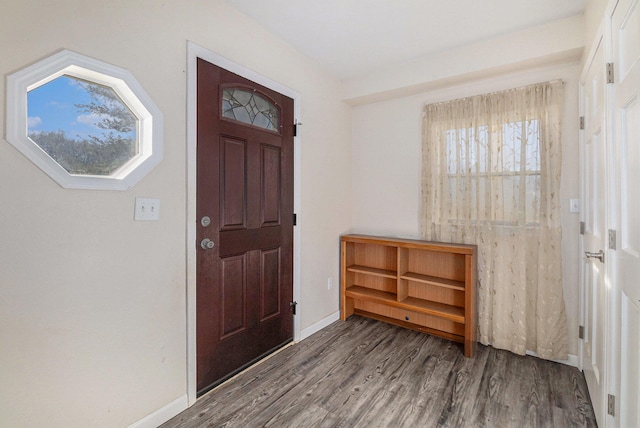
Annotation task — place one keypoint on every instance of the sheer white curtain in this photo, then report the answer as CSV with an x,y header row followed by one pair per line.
x,y
491,177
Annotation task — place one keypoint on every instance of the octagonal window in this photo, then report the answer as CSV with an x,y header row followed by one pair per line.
x,y
85,127
86,123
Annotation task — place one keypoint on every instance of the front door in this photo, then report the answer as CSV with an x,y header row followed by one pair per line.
x,y
626,60
244,226
594,295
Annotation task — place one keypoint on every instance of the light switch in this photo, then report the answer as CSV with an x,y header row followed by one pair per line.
x,y
574,205
147,209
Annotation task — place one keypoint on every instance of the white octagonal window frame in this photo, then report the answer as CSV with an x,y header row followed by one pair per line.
x,y
148,115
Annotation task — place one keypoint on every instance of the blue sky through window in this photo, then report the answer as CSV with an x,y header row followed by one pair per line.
x,y
52,107
84,126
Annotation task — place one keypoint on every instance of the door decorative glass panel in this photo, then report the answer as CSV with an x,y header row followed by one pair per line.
x,y
248,107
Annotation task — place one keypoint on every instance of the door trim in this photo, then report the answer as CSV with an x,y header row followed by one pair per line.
x,y
194,52
598,397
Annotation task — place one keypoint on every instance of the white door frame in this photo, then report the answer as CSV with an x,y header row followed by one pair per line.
x,y
620,257
611,213
583,203
613,303
608,306
611,381
194,52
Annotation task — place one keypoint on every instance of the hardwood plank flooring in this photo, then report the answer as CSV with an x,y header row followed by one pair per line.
x,y
365,373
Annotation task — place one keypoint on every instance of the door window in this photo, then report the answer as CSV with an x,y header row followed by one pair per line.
x,y
248,107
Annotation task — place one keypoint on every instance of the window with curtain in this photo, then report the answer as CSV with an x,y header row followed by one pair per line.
x,y
491,177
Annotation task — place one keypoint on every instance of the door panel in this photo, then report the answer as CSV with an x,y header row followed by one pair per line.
x,y
626,55
270,201
630,350
233,300
244,281
626,24
629,169
594,295
233,154
270,284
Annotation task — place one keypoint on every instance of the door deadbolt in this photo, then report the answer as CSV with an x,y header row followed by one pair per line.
x,y
205,221
207,244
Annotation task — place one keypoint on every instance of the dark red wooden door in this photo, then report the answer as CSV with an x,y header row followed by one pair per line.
x,y
245,189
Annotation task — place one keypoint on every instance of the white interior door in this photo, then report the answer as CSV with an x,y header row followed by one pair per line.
x,y
593,290
626,55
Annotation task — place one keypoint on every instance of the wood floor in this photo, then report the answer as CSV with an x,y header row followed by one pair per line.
x,y
365,373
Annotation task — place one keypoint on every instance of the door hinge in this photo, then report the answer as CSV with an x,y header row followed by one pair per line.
x,y
611,404
293,305
612,239
582,227
295,127
581,122
610,72
580,332
295,219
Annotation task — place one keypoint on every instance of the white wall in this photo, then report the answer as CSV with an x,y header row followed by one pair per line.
x,y
92,304
554,42
593,16
387,165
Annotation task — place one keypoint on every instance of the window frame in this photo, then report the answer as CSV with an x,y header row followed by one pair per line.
x,y
65,62
495,133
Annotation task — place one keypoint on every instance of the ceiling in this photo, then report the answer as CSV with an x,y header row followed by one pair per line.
x,y
352,38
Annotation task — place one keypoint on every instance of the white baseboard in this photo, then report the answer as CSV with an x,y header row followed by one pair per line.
x,y
163,414
181,403
319,325
572,360
178,405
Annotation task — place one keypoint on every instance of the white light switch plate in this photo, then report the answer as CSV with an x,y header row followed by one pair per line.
x,y
574,205
147,209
